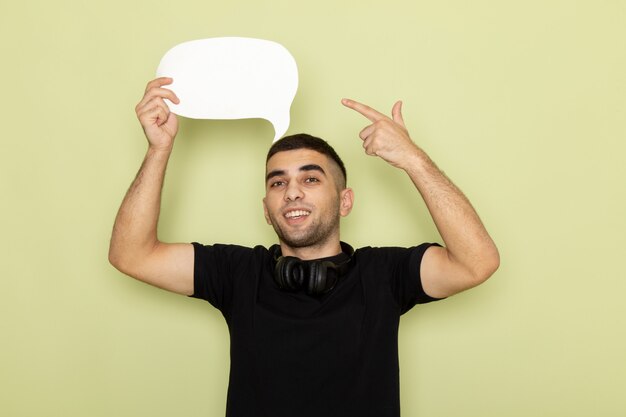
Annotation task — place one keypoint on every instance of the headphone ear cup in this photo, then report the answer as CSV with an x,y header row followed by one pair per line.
x,y
322,277
315,283
288,273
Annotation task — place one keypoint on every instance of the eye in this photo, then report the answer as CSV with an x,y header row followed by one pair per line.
x,y
311,180
277,183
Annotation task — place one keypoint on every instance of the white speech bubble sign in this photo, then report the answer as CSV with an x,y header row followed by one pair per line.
x,y
232,78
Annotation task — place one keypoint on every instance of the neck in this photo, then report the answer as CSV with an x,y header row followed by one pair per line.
x,y
331,247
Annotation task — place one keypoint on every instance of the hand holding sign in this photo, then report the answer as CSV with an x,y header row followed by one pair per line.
x,y
232,78
159,125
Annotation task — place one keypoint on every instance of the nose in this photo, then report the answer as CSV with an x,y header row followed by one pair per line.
x,y
293,192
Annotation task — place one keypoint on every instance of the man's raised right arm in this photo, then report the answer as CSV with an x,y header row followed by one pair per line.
x,y
135,248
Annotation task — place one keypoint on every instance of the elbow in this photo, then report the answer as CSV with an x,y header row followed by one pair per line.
x,y
487,266
491,267
128,258
119,258
123,264
116,259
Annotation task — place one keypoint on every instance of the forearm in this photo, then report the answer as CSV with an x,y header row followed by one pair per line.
x,y
466,239
135,230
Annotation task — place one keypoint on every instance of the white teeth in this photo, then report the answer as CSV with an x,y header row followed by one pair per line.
x,y
297,213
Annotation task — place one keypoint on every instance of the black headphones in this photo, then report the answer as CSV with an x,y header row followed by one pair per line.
x,y
315,277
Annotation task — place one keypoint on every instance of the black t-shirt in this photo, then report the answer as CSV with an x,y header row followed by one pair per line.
x,y
294,355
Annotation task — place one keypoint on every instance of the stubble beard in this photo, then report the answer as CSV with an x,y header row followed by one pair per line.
x,y
316,234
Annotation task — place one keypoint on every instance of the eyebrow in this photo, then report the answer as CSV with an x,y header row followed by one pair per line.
x,y
308,167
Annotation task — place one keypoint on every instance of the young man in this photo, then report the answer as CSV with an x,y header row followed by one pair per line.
x,y
313,323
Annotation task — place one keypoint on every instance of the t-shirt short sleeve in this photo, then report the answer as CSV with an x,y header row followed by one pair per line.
x,y
215,271
406,281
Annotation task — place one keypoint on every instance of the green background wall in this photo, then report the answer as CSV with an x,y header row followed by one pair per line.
x,y
521,103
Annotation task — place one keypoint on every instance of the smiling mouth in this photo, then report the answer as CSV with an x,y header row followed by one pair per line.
x,y
296,214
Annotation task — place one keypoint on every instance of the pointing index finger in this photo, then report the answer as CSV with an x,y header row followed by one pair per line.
x,y
366,111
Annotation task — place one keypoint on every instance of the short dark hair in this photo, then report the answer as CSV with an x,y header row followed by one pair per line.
x,y
305,141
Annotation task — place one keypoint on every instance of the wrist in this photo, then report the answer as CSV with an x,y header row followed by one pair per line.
x,y
159,155
164,150
415,160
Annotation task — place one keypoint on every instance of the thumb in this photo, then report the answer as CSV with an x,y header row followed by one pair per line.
x,y
396,113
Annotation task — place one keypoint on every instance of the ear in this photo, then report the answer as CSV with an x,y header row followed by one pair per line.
x,y
266,213
346,200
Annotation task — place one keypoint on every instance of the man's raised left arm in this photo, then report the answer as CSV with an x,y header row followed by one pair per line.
x,y
470,255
